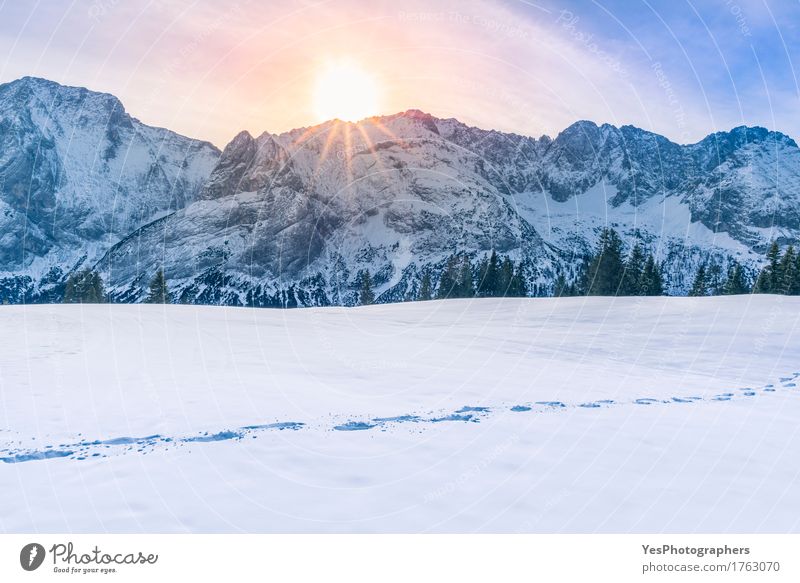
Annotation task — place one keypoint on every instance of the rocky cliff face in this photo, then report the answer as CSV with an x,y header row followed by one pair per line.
x,y
301,213
77,174
310,208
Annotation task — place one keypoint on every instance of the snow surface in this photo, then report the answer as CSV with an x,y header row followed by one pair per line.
x,y
524,415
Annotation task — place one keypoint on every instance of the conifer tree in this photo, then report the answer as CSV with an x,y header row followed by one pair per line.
x,y
634,267
651,282
84,287
449,279
762,285
769,277
505,279
97,293
518,287
786,270
464,285
714,283
488,276
561,288
604,276
794,287
579,286
700,284
425,287
158,293
736,283
290,298
72,291
365,295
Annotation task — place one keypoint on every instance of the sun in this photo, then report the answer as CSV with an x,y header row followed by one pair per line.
x,y
345,91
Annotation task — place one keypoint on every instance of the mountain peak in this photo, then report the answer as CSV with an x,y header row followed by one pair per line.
x,y
77,172
748,134
50,95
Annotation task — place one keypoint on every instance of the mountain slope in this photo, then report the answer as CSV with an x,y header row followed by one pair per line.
x,y
292,219
307,210
77,173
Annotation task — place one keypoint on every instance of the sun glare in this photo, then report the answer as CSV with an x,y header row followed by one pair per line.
x,y
345,91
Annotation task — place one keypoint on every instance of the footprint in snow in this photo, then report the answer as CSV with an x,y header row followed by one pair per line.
x,y
354,426
597,404
398,419
36,455
83,449
293,425
221,436
455,417
646,401
685,399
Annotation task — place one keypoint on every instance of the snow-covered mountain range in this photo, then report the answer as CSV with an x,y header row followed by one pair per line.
x,y
77,174
84,184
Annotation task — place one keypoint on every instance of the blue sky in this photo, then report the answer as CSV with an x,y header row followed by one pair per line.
x,y
683,69
734,61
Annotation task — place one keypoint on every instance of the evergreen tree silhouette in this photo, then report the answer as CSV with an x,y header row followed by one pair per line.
x,y
365,295
158,292
606,269
425,287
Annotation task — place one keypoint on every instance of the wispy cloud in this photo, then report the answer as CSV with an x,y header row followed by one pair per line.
x,y
209,70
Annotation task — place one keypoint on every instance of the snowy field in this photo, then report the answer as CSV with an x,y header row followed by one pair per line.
x,y
541,415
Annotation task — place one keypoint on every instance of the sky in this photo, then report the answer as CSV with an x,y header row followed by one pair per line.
x,y
209,69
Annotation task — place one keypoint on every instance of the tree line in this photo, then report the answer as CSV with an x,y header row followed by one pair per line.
x,y
490,277
781,275
86,287
609,271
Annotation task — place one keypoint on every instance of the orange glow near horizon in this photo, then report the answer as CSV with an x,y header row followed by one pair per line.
x,y
208,71
345,91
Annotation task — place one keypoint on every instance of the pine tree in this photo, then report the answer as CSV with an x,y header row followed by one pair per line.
x,y
84,287
96,294
290,298
651,282
762,285
488,274
773,256
449,279
464,285
365,295
606,268
425,287
714,283
518,287
561,288
786,270
794,287
580,284
769,278
158,294
700,284
505,278
634,267
736,283
73,290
